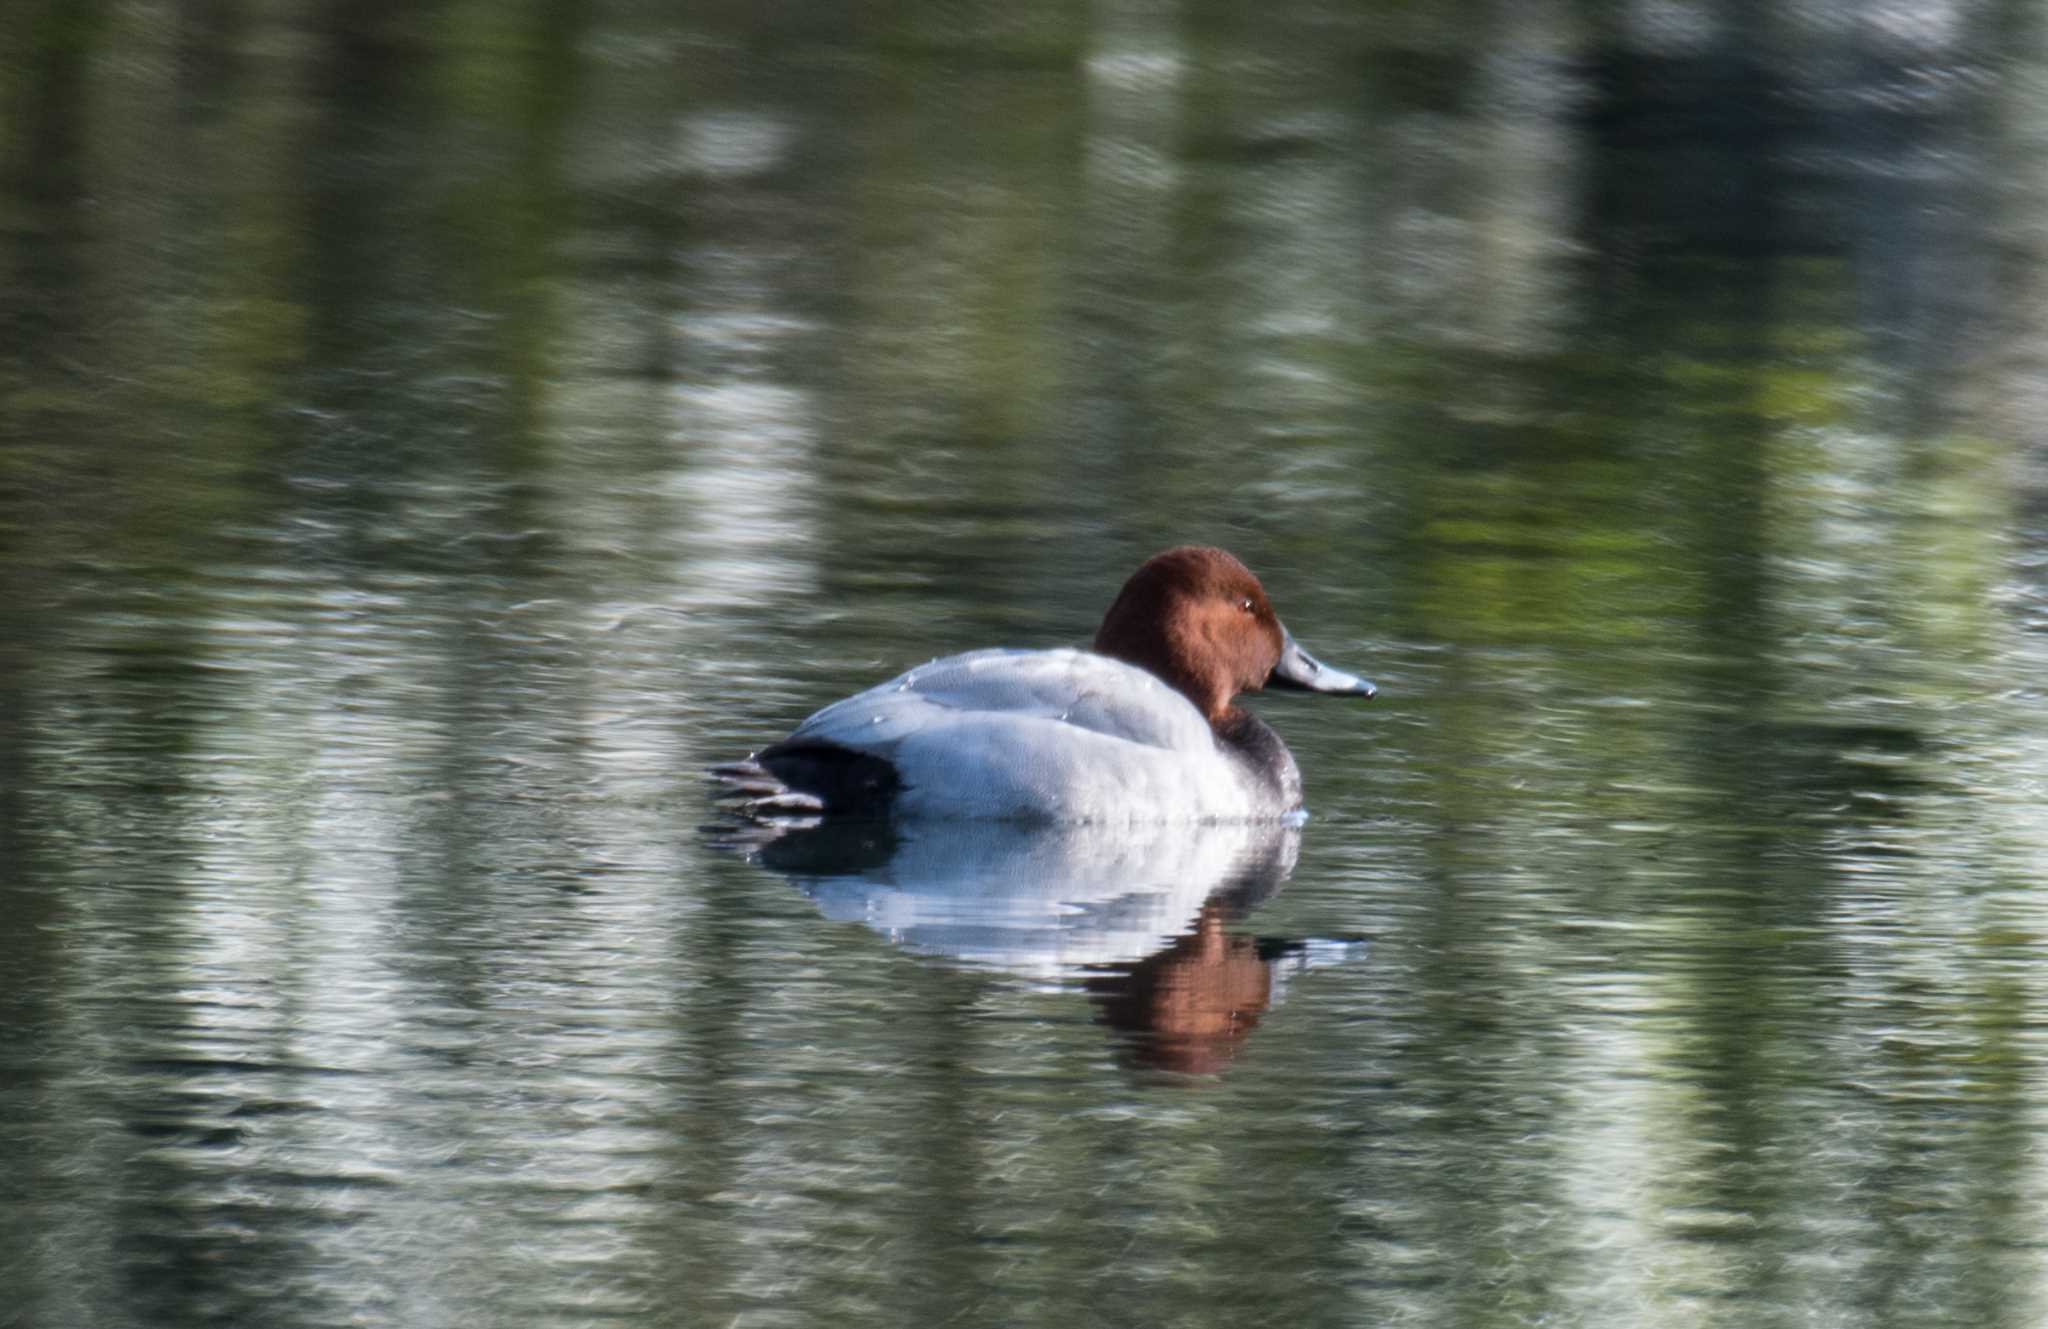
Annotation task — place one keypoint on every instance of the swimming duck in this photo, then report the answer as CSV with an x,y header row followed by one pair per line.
x,y
1143,727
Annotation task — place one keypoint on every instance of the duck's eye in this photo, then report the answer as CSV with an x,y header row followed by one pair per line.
x,y
1246,604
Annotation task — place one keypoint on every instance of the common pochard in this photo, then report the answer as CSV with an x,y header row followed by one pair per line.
x,y
1141,728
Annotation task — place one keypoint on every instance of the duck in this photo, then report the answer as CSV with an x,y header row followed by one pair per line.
x,y
1143,726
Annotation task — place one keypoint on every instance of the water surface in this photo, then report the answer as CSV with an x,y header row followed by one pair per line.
x,y
431,434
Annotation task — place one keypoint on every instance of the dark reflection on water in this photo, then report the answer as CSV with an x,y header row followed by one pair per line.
x,y
429,435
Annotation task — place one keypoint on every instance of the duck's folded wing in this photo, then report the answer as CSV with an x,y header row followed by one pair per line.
x,y
1063,735
1062,688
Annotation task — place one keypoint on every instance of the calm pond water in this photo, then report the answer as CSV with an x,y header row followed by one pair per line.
x,y
431,433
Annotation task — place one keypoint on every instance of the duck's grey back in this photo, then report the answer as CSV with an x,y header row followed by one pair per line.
x,y
1059,735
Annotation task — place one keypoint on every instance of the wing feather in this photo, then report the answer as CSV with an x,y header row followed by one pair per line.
x,y
1064,735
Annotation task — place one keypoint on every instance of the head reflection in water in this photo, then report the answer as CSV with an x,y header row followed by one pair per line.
x,y
1189,1007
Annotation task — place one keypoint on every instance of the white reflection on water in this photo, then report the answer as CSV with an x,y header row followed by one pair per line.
x,y
733,142
1136,914
1043,901
746,492
366,987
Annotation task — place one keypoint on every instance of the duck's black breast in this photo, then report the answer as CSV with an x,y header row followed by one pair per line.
x,y
1251,742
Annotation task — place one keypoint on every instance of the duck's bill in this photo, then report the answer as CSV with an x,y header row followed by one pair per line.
x,y
1300,670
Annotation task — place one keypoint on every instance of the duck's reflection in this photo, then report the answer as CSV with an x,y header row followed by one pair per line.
x,y
1138,917
1191,1006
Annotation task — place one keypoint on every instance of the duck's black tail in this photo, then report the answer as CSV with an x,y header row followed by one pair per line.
x,y
809,780
751,789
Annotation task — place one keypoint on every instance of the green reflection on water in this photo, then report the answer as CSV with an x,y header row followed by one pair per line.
x,y
432,434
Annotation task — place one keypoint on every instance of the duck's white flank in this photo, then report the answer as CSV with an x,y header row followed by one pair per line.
x,y
1059,735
